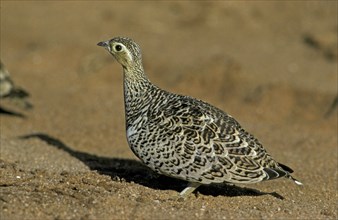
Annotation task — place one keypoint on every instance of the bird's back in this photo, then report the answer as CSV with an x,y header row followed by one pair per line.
x,y
186,138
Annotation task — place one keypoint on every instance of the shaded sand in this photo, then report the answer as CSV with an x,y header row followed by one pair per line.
x,y
272,65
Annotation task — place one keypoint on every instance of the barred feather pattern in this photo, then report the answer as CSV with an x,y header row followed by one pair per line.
x,y
189,139
186,138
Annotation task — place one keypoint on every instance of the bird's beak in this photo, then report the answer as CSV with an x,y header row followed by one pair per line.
x,y
104,44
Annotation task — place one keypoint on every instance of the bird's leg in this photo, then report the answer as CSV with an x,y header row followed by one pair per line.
x,y
189,189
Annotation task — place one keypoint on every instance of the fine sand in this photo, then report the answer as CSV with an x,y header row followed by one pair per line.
x,y
272,65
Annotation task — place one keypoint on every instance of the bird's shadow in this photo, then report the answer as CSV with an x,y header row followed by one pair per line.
x,y
135,171
8,112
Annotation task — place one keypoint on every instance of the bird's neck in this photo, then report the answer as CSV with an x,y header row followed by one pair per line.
x,y
137,93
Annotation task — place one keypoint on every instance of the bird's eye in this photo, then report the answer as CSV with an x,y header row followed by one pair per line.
x,y
118,48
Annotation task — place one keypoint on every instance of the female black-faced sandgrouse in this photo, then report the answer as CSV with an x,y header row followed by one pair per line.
x,y
186,138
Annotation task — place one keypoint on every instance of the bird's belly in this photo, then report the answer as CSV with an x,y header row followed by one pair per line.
x,y
161,156
170,157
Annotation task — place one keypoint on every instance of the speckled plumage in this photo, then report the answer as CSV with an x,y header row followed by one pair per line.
x,y
186,138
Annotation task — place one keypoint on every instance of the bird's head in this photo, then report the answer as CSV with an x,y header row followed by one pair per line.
x,y
125,51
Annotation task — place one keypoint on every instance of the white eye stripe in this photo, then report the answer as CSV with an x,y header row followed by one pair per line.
x,y
129,55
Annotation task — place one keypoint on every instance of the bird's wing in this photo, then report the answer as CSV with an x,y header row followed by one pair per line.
x,y
205,144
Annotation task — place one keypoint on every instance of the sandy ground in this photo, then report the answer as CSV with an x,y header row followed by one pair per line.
x,y
272,65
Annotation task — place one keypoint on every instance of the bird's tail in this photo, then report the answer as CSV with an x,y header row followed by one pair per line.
x,y
295,180
289,170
